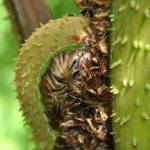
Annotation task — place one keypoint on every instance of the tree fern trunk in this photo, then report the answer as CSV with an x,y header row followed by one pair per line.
x,y
130,74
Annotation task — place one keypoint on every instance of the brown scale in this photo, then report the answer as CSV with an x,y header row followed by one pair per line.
x,y
74,106
75,87
96,12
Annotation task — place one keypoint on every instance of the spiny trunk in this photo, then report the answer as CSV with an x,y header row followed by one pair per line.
x,y
130,73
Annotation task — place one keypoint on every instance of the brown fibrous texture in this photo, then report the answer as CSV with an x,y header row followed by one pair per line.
x,y
76,89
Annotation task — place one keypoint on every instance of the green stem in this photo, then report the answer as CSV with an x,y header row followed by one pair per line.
x,y
48,40
130,73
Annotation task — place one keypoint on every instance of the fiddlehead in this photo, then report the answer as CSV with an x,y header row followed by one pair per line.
x,y
75,86
35,54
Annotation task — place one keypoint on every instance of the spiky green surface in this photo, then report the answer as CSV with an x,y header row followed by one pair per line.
x,y
130,72
33,55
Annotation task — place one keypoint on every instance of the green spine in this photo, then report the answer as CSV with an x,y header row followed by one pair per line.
x,y
130,73
33,56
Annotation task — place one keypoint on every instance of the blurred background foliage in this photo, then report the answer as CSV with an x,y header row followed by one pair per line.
x,y
13,134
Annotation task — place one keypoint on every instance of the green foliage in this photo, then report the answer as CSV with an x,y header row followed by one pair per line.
x,y
62,7
13,135
130,72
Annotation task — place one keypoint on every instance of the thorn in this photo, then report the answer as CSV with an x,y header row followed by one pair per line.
x,y
125,82
24,75
147,87
117,120
137,7
112,133
135,44
112,19
15,59
131,83
39,44
114,90
116,41
137,102
124,40
112,29
24,62
113,115
26,48
115,64
134,142
18,68
117,140
111,16
147,13
145,116
147,47
141,45
23,92
124,120
122,8
132,4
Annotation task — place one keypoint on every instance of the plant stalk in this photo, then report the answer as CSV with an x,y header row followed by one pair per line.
x,y
130,73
